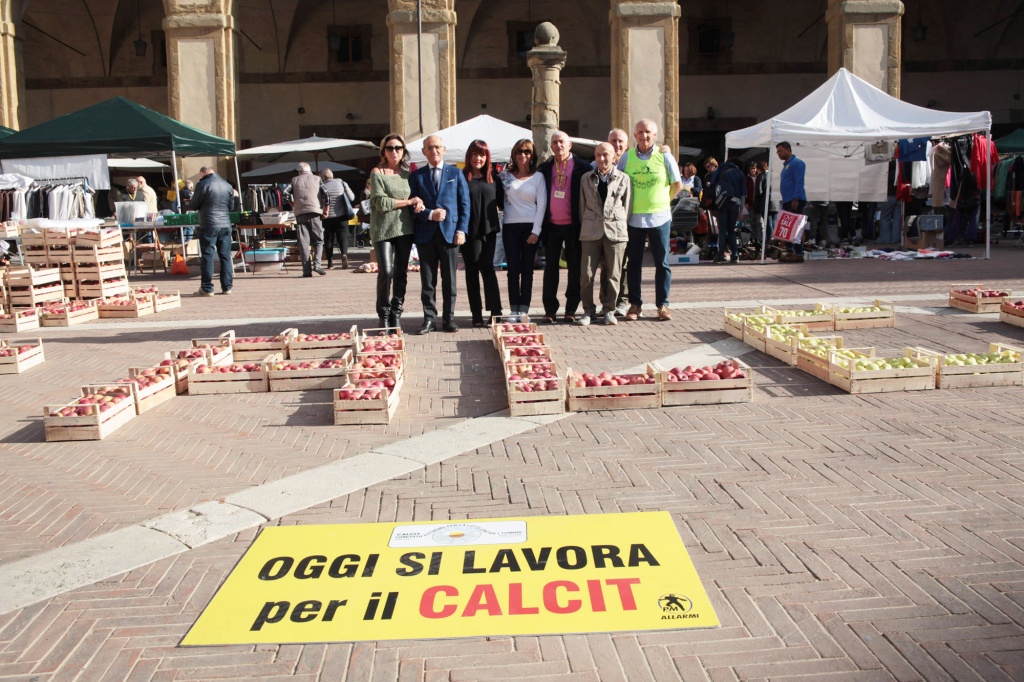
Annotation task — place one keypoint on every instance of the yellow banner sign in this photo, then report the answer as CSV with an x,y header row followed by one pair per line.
x,y
532,575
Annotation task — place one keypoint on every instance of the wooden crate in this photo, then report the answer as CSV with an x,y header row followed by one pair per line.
x,y
528,340
378,410
395,360
69,280
755,335
977,376
975,304
252,381
302,347
921,377
630,397
9,230
19,320
525,404
182,373
29,297
734,319
220,347
94,255
103,289
135,305
62,315
783,349
707,392
60,237
310,378
32,237
814,364
522,353
166,301
16,363
248,348
523,365
505,324
1011,315
100,272
37,256
886,317
819,318
100,238
95,425
390,335
146,398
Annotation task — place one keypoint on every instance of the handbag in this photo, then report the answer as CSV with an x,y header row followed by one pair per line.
x,y
702,223
344,209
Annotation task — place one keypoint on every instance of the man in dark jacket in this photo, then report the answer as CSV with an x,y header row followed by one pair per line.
x,y
212,199
561,228
730,194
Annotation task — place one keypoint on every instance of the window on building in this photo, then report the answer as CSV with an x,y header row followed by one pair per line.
x,y
159,42
349,47
520,41
710,40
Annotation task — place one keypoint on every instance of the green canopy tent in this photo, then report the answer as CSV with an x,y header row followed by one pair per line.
x,y
4,132
1012,143
116,127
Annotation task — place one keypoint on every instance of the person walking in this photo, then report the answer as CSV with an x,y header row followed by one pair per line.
x,y
439,230
791,187
212,199
391,227
339,212
522,194
562,174
309,202
656,180
605,199
730,195
482,237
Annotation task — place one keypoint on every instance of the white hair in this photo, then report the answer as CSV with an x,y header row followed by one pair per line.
x,y
651,125
303,167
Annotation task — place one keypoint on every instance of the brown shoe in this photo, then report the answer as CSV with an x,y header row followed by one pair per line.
x,y
664,314
344,262
633,313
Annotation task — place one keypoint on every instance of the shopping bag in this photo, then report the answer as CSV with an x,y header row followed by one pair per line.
x,y
179,266
789,227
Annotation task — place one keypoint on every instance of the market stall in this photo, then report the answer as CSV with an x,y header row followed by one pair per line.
x,y
837,121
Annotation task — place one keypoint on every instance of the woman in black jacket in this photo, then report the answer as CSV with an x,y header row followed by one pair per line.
x,y
484,226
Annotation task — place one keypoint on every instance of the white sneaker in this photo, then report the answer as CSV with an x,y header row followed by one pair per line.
x,y
609,318
583,321
621,310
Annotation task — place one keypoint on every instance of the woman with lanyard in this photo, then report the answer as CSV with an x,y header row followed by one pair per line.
x,y
478,251
522,193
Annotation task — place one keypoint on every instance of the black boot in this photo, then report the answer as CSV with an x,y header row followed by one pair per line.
x,y
382,322
394,317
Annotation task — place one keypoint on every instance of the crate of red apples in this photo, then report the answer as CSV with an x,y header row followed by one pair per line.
x,y
729,381
306,375
380,340
183,363
20,355
975,298
231,377
1012,313
100,411
166,300
153,385
321,346
220,347
607,391
19,320
370,397
512,324
258,347
68,313
131,305
534,387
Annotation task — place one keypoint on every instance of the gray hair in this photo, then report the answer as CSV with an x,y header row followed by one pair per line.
x,y
326,174
617,131
132,182
651,125
303,167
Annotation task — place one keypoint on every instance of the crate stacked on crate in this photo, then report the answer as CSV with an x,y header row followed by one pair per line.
x,y
20,355
533,383
372,391
1001,366
975,298
730,381
28,286
100,411
59,244
1012,312
68,313
33,248
878,314
98,258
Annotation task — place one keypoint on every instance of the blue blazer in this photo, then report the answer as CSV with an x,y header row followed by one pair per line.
x,y
453,197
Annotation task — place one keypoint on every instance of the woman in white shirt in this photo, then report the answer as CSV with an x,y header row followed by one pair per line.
x,y
523,195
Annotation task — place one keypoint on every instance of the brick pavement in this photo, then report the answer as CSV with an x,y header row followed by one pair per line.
x,y
873,537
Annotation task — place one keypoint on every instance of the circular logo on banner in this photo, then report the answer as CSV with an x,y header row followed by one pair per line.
x,y
675,603
456,534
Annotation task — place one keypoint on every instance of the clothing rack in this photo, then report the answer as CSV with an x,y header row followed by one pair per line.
x,y
59,181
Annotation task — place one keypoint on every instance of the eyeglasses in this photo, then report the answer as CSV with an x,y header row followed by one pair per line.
x,y
524,152
394,148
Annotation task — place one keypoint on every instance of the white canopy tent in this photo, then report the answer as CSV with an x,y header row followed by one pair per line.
x,y
332,148
834,123
499,135
289,168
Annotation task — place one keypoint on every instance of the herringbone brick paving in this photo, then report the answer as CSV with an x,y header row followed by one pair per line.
x,y
874,537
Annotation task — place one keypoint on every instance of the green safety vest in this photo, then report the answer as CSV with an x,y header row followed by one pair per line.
x,y
650,182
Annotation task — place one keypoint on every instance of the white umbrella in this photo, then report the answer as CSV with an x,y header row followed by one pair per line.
x,y
280,168
331,148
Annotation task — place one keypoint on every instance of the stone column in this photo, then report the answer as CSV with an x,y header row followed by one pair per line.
x,y
645,66
545,60
12,79
202,69
864,38
422,66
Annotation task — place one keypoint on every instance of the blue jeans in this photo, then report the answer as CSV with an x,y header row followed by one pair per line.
x,y
889,230
213,243
659,238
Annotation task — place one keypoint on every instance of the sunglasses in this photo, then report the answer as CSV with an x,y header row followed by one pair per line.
x,y
524,152
394,148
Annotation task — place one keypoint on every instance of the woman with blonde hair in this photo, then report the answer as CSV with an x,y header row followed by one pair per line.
x,y
391,226
523,194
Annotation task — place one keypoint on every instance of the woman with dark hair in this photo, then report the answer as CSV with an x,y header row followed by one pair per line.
x,y
523,194
391,226
478,251
691,182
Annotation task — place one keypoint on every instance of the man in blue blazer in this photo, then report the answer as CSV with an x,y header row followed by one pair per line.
x,y
440,229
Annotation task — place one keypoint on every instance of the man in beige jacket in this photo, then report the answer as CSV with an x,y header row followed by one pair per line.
x,y
605,199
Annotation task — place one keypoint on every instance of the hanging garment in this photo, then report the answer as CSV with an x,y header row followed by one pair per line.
x,y
941,159
982,151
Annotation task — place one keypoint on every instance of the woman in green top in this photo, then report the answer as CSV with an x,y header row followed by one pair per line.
x,y
391,226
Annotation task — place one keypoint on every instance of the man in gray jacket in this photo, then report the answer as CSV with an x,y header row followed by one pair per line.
x,y
309,201
212,199
605,200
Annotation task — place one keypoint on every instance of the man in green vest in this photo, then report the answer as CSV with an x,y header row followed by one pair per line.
x,y
656,180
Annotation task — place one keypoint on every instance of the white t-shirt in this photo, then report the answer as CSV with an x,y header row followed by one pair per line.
x,y
525,200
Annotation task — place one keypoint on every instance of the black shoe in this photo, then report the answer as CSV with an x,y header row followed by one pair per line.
x,y
393,318
449,326
479,322
329,265
320,271
427,327
307,274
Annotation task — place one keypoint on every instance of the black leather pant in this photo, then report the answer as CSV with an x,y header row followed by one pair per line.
x,y
392,273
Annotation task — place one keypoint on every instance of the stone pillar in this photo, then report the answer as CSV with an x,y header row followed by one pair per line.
x,y
645,66
864,38
12,79
202,70
545,60
422,66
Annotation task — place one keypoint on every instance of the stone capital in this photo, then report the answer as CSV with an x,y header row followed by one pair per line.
x,y
430,16
546,57
199,21
645,10
860,7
